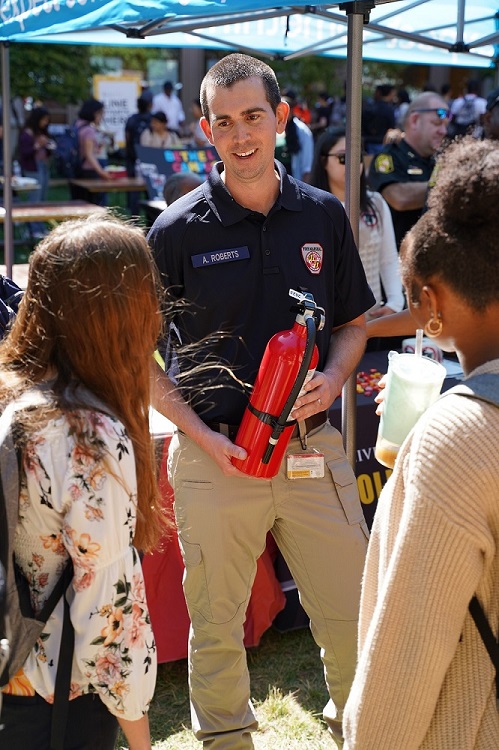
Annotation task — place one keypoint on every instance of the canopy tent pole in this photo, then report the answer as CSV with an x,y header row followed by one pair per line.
x,y
460,22
357,15
8,230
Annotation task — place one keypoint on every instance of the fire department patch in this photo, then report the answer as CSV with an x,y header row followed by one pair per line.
x,y
312,254
383,163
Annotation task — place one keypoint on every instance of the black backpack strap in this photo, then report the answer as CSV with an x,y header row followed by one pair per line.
x,y
56,593
490,641
9,489
64,665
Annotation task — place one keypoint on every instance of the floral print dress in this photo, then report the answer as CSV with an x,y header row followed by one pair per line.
x,y
81,501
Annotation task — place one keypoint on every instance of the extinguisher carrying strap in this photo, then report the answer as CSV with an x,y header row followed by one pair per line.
x,y
311,423
266,418
231,430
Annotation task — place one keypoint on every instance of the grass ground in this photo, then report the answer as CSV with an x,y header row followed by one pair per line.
x,y
287,690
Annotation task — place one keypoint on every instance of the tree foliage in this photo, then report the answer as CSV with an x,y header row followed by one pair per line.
x,y
135,58
310,75
63,73
57,72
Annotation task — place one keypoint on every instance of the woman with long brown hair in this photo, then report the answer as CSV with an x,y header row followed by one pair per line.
x,y
83,337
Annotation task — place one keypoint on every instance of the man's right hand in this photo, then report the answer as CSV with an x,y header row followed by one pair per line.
x,y
221,450
168,401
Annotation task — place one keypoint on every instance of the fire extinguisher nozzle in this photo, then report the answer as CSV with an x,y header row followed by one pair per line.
x,y
268,453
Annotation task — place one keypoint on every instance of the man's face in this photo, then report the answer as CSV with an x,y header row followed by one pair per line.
x,y
242,126
426,130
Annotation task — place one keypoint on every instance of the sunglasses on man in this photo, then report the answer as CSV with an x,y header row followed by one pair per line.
x,y
441,112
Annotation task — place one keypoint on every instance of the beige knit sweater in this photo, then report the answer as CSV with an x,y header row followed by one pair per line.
x,y
424,679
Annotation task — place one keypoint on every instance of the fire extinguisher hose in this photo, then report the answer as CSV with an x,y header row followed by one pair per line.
x,y
300,379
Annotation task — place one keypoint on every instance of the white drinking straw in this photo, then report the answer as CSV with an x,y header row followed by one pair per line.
x,y
419,342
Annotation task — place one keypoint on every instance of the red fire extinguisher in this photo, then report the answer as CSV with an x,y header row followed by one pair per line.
x,y
289,361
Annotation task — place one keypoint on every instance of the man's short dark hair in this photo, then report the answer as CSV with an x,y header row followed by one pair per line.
x,y
237,67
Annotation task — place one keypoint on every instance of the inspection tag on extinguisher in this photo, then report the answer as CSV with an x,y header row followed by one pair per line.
x,y
305,465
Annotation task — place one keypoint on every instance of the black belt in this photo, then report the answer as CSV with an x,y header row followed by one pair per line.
x,y
311,423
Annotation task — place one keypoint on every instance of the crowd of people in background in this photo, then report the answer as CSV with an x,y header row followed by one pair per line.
x,y
160,121
386,109
410,670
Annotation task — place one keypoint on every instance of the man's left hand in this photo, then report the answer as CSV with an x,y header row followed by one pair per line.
x,y
320,392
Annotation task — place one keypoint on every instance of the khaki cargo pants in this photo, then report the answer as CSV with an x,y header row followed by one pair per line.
x,y
222,521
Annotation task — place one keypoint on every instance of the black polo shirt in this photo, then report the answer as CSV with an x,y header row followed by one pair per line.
x,y
233,268
398,162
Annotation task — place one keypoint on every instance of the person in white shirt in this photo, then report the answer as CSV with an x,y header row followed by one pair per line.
x,y
459,108
169,103
377,246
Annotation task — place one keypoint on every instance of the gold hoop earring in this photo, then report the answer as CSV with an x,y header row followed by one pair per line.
x,y
433,328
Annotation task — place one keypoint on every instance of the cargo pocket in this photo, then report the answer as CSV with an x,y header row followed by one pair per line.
x,y
196,485
195,587
348,493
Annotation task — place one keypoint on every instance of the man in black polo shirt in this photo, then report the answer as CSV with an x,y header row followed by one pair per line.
x,y
402,170
231,250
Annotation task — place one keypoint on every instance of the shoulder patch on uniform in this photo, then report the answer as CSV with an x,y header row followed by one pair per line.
x,y
312,253
383,163
433,176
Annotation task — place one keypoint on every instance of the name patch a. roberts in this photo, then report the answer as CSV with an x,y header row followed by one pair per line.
x,y
220,256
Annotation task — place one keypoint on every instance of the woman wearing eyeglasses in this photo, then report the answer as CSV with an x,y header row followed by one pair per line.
x,y
377,247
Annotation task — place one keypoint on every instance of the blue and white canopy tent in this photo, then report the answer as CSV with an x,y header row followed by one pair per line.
x,y
449,32
446,32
